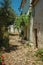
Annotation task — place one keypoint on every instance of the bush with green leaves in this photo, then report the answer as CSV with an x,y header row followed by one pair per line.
x,y
7,17
22,20
7,14
39,53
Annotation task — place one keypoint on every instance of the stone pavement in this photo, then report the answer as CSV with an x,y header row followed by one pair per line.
x,y
20,54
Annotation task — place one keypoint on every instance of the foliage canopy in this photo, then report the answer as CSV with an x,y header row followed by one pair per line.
x,y
7,14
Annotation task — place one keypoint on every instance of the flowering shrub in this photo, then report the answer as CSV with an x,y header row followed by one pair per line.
x,y
2,60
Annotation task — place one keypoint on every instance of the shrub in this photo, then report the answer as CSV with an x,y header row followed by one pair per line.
x,y
39,53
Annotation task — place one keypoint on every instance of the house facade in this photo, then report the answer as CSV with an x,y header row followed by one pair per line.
x,y
26,7
37,20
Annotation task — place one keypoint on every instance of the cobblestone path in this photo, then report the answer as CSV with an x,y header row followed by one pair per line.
x,y
20,54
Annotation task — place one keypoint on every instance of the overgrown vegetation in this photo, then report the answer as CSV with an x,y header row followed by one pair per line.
x,y
7,17
39,54
22,20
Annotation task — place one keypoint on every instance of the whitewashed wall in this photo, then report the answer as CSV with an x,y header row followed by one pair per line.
x,y
11,29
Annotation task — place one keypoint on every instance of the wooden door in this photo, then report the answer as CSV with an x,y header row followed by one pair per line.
x,y
36,38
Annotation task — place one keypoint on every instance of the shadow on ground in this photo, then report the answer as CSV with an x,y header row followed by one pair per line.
x,y
22,41
9,48
12,48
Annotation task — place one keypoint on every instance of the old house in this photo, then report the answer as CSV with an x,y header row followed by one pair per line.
x,y
37,22
25,4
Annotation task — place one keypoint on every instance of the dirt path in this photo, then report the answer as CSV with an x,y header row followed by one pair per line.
x,y
20,54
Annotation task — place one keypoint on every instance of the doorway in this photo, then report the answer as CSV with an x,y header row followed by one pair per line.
x,y
36,38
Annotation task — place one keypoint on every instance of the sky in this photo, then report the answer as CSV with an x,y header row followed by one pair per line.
x,y
15,5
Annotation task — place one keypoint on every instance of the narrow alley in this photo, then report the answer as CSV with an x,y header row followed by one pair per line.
x,y
20,54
